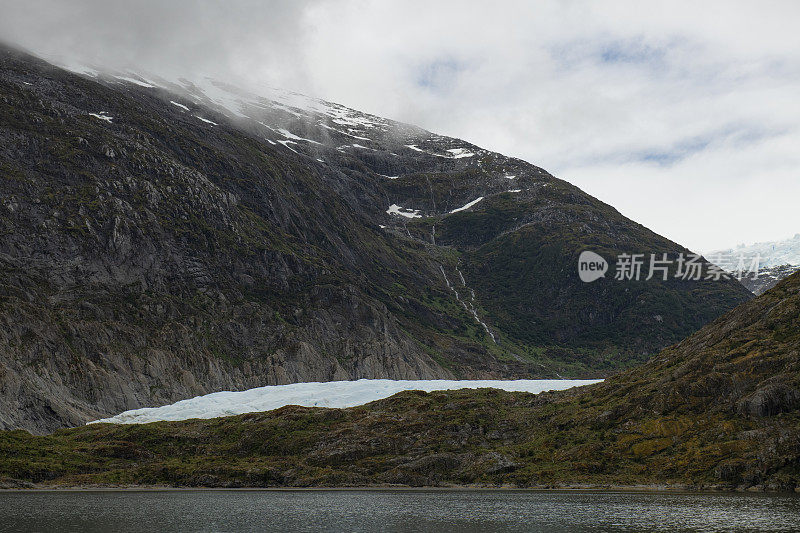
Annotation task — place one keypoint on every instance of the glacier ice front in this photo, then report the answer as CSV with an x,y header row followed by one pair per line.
x,y
322,394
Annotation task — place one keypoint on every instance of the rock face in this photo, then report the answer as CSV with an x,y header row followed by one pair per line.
x,y
767,278
156,244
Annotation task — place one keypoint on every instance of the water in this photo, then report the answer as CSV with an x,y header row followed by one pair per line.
x,y
387,510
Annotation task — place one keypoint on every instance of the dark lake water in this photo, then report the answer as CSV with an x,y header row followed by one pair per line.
x,y
386,510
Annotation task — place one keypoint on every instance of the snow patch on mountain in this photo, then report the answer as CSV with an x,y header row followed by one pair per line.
x,y
286,145
340,132
458,153
289,135
135,81
395,209
102,116
468,205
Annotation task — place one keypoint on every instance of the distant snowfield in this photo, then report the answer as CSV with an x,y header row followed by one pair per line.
x,y
771,254
322,394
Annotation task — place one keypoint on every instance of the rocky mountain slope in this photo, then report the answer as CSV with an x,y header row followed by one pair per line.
x,y
720,409
162,240
767,278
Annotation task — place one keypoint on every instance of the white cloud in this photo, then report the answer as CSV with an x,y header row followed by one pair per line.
x,y
683,115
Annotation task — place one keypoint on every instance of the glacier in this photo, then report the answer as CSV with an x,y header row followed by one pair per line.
x,y
336,394
771,254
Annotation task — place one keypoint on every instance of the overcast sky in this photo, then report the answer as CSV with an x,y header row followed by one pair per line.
x,y
685,116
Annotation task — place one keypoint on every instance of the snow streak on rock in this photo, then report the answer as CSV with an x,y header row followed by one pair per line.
x,y
467,206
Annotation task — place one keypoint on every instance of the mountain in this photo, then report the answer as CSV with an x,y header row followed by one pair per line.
x,y
161,240
761,265
767,278
719,410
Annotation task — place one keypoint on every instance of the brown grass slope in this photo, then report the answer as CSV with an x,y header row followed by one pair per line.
x,y
718,410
